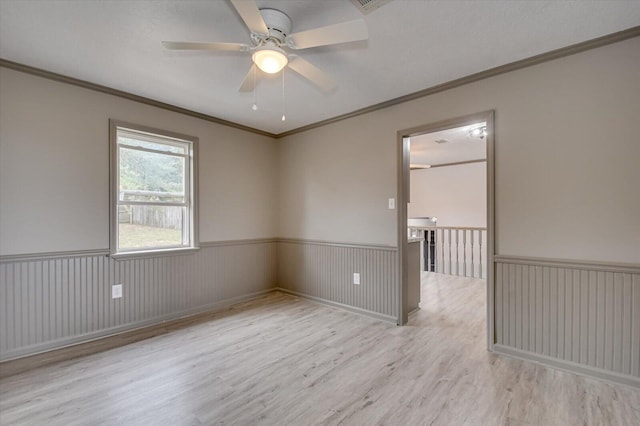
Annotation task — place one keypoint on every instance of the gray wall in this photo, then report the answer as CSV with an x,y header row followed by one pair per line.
x,y
566,159
566,187
456,195
54,168
54,194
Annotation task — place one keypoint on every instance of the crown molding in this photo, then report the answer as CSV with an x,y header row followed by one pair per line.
x,y
502,69
125,95
513,66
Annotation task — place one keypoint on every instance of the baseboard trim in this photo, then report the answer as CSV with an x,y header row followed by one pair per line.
x,y
37,356
352,309
90,343
568,366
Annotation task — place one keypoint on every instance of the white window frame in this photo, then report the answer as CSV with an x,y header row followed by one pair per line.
x,y
191,188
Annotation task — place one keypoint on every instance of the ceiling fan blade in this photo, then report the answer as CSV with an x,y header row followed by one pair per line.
x,y
187,45
249,82
312,73
250,14
331,34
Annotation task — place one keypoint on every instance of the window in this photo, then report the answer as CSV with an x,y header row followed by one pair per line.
x,y
153,187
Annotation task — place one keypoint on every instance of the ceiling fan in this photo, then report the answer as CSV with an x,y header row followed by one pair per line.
x,y
271,38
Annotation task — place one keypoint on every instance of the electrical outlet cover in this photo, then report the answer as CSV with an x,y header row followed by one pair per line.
x,y
116,291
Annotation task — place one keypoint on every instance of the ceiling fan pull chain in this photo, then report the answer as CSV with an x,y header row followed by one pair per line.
x,y
255,105
283,117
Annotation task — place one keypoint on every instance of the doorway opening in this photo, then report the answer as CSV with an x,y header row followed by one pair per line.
x,y
448,201
445,215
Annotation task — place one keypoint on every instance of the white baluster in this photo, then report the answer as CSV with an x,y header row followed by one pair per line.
x,y
428,248
464,252
457,252
444,271
480,243
449,244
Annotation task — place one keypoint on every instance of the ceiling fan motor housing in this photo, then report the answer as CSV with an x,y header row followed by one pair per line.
x,y
279,24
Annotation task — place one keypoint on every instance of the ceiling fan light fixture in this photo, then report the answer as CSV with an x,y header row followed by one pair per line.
x,y
270,59
478,132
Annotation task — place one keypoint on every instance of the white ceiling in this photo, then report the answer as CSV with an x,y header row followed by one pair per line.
x,y
412,45
459,146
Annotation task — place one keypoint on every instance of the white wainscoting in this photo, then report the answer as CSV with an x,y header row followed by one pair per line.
x,y
53,300
583,317
323,271
574,315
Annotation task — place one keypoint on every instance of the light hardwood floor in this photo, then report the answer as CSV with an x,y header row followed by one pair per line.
x,y
280,360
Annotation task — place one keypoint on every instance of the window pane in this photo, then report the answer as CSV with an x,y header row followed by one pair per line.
x,y
148,176
152,189
148,143
150,227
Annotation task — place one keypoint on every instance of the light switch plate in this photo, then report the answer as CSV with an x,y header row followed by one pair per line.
x,y
392,203
356,278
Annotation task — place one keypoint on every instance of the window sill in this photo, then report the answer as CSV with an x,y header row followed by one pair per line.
x,y
154,253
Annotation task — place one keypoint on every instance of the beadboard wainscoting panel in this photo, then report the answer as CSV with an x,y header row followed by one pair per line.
x,y
578,314
47,302
324,271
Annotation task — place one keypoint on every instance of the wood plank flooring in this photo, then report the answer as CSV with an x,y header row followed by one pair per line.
x,y
280,360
